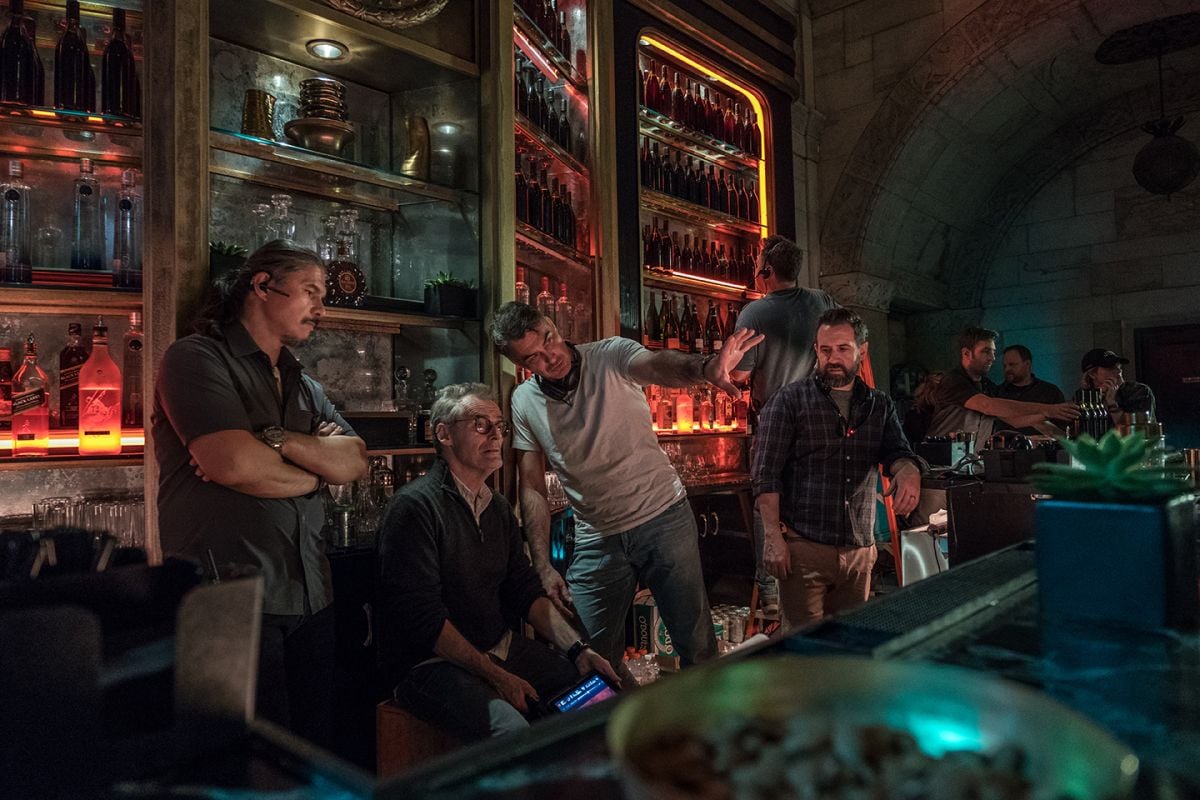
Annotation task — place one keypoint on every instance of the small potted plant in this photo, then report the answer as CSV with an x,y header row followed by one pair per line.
x,y
224,256
448,296
1117,539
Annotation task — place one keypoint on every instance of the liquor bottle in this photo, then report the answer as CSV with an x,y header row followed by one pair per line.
x,y
522,288
132,397
678,178
564,313
519,97
703,400
685,254
664,248
6,390
675,251
664,413
683,412
99,399
646,170
685,327
18,60
345,284
531,93
547,213
425,414
738,129
539,108
730,123
127,234
649,86
570,222
564,37
30,406
407,409
752,202
87,245
121,93
696,330
664,93
282,224
552,118
670,329
743,199
14,227
714,192
72,66
678,106
648,249
657,172
533,212
327,241
564,124
650,329
545,300
755,136
714,338
730,320
70,360
689,106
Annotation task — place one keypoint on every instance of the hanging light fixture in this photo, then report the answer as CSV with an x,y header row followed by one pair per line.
x,y
1168,162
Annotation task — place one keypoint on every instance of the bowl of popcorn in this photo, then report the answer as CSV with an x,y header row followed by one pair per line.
x,y
778,728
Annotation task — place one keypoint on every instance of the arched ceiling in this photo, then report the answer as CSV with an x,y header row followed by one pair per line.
x,y
999,104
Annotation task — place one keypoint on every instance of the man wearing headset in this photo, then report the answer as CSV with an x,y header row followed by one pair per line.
x,y
814,475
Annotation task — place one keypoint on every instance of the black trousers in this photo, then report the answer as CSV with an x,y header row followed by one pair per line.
x,y
295,674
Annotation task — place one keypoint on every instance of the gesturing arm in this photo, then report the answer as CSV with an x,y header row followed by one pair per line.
x,y
1019,414
238,460
674,369
535,516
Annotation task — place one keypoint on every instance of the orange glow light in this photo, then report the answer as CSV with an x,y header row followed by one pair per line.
x,y
710,74
735,287
69,440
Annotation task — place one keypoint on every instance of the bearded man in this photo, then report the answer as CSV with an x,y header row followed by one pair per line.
x,y
814,475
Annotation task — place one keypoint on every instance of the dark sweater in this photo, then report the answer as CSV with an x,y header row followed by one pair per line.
x,y
437,564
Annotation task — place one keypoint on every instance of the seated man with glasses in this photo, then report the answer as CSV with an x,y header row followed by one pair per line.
x,y
454,578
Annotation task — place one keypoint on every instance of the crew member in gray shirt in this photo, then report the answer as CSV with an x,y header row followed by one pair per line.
x,y
586,414
787,319
244,442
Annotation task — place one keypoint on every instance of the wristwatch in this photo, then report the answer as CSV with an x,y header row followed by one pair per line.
x,y
274,437
576,649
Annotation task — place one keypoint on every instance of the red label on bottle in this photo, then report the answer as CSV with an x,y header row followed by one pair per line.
x,y
347,282
23,403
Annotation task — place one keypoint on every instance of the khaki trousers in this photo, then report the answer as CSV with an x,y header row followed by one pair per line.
x,y
825,580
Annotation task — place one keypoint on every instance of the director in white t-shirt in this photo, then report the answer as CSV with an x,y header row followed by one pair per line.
x,y
585,413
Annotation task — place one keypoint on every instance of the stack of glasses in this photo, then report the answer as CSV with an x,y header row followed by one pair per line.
x,y
123,516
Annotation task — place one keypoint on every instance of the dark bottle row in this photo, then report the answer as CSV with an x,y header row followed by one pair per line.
x,y
688,181
551,22
543,203
1094,419
546,108
661,249
667,327
699,108
22,75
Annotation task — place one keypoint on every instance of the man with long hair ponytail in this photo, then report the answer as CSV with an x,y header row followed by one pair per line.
x,y
245,442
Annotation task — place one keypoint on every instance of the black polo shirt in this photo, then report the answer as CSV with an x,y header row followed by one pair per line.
x,y
949,412
208,384
1038,391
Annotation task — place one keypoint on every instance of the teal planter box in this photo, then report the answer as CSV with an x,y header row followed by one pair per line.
x,y
1133,564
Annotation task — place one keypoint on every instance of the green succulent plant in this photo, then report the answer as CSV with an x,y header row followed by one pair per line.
x,y
1110,471
226,249
446,279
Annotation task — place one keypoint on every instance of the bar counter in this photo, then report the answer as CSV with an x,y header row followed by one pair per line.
x,y
1141,685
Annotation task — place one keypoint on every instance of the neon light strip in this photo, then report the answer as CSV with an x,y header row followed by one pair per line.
x,y
710,74
735,287
69,440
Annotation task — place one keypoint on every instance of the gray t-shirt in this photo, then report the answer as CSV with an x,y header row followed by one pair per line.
x,y
601,443
788,319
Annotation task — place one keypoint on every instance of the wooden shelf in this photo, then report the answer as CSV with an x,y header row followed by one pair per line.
x,y
73,461
538,138
366,321
284,166
666,130
47,133
27,299
696,285
662,203
547,52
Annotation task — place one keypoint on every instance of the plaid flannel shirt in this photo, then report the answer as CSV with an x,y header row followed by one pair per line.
x,y
823,466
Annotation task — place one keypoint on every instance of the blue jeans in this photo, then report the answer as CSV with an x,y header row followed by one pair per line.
x,y
664,555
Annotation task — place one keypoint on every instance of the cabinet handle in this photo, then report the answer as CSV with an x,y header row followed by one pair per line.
x,y
716,522
703,530
370,631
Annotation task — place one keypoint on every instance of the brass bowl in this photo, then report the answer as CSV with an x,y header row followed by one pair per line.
x,y
322,135
943,708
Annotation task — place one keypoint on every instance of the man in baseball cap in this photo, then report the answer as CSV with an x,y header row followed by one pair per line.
x,y
1102,370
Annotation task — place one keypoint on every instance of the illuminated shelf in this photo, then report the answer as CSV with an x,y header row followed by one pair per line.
x,y
284,166
535,136
28,299
708,287
727,432
539,47
535,248
370,321
47,133
698,215
64,452
668,131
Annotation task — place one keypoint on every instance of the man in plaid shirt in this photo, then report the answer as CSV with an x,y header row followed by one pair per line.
x,y
814,473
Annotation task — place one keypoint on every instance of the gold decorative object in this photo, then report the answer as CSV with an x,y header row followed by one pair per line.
x,y
415,163
258,114
328,136
394,14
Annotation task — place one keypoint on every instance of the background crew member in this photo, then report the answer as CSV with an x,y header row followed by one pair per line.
x,y
1021,384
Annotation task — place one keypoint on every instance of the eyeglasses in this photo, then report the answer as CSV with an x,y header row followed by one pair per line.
x,y
484,426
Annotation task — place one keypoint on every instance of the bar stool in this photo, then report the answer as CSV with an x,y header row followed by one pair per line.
x,y
404,740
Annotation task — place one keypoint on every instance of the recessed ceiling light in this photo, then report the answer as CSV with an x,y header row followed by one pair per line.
x,y
448,128
327,49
